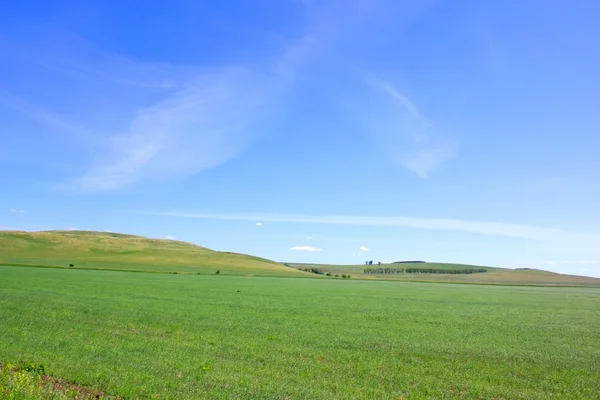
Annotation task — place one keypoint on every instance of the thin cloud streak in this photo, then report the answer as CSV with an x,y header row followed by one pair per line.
x,y
199,127
478,227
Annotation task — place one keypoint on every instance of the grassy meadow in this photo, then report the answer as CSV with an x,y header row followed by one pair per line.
x,y
495,276
118,252
114,251
164,336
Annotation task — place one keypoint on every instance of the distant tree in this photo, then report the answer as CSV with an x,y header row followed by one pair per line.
x,y
379,263
337,275
218,272
348,276
71,265
366,263
371,262
344,276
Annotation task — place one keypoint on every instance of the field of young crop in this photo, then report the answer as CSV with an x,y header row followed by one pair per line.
x,y
137,335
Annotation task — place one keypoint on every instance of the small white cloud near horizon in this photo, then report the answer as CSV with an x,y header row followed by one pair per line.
x,y
170,237
364,248
72,228
305,248
259,224
17,211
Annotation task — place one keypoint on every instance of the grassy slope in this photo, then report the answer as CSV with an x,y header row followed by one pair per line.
x,y
127,252
493,276
226,337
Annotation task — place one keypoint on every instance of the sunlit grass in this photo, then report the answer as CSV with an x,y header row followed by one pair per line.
x,y
225,337
102,250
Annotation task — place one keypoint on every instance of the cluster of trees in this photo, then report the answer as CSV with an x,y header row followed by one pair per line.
x,y
320,272
313,270
412,270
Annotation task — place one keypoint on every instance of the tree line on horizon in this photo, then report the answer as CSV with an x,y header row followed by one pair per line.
x,y
413,270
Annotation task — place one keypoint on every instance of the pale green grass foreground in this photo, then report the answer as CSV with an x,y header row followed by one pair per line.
x,y
163,336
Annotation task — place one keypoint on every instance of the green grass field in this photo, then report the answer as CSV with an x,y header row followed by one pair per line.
x,y
139,335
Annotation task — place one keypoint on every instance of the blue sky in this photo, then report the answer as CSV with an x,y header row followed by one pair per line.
x,y
309,131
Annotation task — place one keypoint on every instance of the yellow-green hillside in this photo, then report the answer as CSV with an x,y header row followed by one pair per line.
x,y
103,250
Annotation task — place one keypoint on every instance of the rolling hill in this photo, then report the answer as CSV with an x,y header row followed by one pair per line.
x,y
113,251
500,276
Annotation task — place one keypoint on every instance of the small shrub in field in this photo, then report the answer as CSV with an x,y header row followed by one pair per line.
x,y
337,275
71,265
328,274
35,368
348,276
218,272
344,276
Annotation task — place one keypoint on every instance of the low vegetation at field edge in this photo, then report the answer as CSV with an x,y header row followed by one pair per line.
x,y
30,383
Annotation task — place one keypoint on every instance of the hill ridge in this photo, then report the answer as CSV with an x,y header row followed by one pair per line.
x,y
110,250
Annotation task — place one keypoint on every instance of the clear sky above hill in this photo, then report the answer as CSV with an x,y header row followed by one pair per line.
x,y
317,131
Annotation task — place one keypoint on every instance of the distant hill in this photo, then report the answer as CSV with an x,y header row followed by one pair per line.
x,y
521,276
104,250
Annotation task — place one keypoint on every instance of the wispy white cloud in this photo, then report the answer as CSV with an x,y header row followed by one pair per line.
x,y
165,121
426,160
17,211
305,248
536,233
170,237
403,132
72,228
259,224
364,248
177,121
201,126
